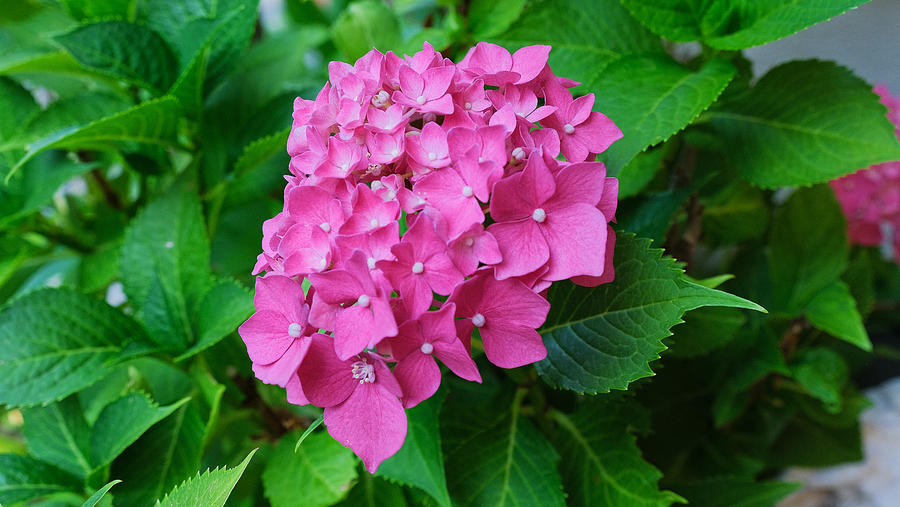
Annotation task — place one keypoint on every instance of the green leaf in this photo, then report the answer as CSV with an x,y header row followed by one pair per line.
x,y
805,122
638,173
706,329
54,342
734,492
733,24
808,247
823,373
18,106
833,310
364,25
211,489
373,491
24,478
161,458
152,122
58,434
420,462
323,467
738,213
96,497
488,18
124,421
221,311
505,462
259,151
650,98
128,51
581,50
100,9
603,338
601,464
165,267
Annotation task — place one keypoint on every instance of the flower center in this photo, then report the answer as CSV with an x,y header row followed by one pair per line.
x,y
294,330
373,223
371,262
325,226
363,301
380,98
377,185
418,268
432,156
363,371
427,348
518,153
470,241
467,191
539,215
420,99
478,319
568,128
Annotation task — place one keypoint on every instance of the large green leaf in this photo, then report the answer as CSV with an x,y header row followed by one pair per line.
x,y
58,434
489,18
259,151
34,186
420,462
153,122
323,467
18,106
122,422
834,311
734,24
805,122
823,373
706,329
211,489
24,478
652,97
222,309
504,462
54,342
734,492
127,51
165,266
808,247
601,464
603,338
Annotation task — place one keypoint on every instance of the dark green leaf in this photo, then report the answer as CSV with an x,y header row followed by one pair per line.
x,y
833,310
373,491
165,267
823,373
706,329
601,464
18,106
420,462
54,342
259,151
128,51
603,338
34,186
96,497
639,172
211,489
737,213
805,122
734,492
23,478
323,467
58,434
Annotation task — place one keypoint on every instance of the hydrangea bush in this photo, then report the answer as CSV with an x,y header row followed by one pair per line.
x,y
529,252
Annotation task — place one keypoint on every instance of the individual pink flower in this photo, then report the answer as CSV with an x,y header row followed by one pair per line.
x,y
426,92
506,313
496,66
361,400
581,131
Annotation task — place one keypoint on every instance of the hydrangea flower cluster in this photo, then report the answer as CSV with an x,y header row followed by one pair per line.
x,y
426,199
870,198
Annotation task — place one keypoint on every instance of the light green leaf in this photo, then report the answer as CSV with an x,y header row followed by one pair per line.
x,y
34,186
24,478
165,266
100,9
323,467
734,492
676,20
18,106
58,434
650,98
581,50
211,489
808,247
823,373
488,18
833,310
54,342
604,337
96,497
805,122
259,151
601,464
152,122
505,462
220,312
128,51
122,422
365,25
420,462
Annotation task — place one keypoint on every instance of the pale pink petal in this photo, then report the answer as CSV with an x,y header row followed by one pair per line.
x,y
522,247
609,272
266,335
529,61
281,371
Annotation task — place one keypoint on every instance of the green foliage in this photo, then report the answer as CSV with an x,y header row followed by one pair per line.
x,y
211,489
96,497
325,468
24,478
735,492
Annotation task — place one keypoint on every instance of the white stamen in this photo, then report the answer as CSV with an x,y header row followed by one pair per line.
x,y
380,98
539,215
375,169
376,185
418,268
420,99
345,167
427,348
467,191
325,226
294,330
373,223
568,128
371,262
518,153
468,105
480,159
363,301
322,263
478,320
470,241
432,156
363,371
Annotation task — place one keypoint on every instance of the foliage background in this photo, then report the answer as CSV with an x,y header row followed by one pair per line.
x,y
142,145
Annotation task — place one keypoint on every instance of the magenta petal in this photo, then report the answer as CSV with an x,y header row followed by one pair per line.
x,y
577,239
580,182
327,381
419,376
511,346
371,422
280,371
294,391
266,335
454,354
609,273
277,293
529,61
353,331
610,199
522,247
